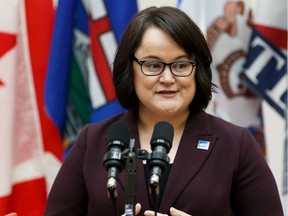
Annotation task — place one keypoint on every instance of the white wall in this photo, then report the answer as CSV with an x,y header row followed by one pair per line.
x,y
146,3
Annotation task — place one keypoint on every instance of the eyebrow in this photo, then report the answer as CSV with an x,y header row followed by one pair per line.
x,y
158,59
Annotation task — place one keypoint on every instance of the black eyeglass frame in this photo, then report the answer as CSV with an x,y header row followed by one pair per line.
x,y
193,63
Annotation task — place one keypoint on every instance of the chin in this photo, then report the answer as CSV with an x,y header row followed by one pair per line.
x,y
168,111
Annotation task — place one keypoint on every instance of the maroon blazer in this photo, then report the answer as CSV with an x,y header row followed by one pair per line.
x,y
230,178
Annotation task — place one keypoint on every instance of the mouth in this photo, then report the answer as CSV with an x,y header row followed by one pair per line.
x,y
166,92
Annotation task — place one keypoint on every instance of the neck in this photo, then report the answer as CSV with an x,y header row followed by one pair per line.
x,y
147,120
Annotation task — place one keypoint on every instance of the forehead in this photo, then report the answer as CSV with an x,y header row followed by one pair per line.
x,y
157,42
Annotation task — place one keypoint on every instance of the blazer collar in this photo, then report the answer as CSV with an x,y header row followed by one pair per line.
x,y
195,147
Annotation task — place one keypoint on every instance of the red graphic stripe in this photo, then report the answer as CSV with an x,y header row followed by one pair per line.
x,y
101,64
27,199
275,35
40,19
7,42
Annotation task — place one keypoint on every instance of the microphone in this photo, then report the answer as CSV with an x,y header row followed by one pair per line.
x,y
118,138
161,143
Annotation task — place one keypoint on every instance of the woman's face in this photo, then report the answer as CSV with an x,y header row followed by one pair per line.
x,y
164,94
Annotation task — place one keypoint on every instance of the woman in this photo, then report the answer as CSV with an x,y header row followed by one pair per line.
x,y
162,72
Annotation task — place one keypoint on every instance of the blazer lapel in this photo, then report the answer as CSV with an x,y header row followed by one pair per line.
x,y
195,147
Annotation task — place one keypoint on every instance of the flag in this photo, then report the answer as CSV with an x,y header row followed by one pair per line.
x,y
266,63
31,132
79,87
224,24
266,71
30,144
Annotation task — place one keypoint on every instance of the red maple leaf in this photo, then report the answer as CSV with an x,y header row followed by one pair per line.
x,y
7,42
1,83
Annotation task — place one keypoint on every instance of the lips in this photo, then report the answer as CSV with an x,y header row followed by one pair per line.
x,y
166,92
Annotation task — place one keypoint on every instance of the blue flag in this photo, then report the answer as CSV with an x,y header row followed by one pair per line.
x,y
79,87
266,72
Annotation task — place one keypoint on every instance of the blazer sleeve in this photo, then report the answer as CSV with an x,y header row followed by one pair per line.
x,y
255,191
68,195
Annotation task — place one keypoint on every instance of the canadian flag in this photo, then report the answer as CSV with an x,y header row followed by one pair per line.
x,y
30,145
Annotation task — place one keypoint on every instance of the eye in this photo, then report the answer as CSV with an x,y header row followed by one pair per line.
x,y
152,65
180,66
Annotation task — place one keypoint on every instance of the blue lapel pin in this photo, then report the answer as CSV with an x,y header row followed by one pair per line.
x,y
202,144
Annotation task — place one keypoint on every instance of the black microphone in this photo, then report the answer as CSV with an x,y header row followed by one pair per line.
x,y
118,139
161,143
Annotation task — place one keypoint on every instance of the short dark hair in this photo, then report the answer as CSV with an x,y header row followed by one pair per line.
x,y
184,32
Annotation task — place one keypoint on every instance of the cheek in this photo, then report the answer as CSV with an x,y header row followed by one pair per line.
x,y
142,85
190,87
142,82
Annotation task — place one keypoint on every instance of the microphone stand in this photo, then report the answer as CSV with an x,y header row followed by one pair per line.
x,y
131,181
159,159
131,178
154,191
112,193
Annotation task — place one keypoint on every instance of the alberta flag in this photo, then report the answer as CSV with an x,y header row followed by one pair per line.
x,y
79,86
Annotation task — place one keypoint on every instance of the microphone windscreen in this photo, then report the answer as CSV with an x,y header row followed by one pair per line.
x,y
165,131
119,131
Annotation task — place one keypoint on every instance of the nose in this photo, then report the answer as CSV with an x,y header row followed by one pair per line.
x,y
166,75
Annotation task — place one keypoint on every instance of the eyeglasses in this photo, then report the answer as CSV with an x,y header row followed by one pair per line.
x,y
155,68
